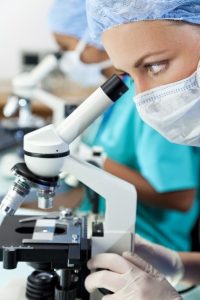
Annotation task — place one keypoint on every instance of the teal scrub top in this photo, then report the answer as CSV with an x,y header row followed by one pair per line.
x,y
168,167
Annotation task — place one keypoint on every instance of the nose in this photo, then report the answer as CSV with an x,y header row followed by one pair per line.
x,y
140,86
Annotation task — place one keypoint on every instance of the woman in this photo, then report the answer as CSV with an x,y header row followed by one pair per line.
x,y
86,62
158,44
161,200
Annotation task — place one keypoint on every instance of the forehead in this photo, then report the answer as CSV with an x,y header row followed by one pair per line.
x,y
143,37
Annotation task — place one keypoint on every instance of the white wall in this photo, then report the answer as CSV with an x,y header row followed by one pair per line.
x,y
23,27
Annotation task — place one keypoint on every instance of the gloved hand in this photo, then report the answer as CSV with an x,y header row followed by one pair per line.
x,y
128,281
166,261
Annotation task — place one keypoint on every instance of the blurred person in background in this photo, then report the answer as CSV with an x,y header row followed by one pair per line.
x,y
86,63
166,179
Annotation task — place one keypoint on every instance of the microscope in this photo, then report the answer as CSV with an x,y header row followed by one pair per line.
x,y
60,241
26,87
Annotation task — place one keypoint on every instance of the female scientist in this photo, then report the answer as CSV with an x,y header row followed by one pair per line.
x,y
156,42
166,191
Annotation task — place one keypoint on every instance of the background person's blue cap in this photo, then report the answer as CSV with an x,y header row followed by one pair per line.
x,y
105,14
68,17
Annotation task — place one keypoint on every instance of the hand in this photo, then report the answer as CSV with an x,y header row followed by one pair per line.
x,y
166,261
128,281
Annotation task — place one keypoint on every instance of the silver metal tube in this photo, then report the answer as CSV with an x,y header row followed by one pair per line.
x,y
15,196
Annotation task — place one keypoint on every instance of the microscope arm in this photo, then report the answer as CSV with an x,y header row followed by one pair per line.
x,y
120,213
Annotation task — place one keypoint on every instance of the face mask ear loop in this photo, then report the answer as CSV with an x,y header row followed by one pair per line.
x,y
81,44
105,64
198,64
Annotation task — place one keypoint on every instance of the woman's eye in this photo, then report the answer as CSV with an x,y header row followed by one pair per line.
x,y
156,68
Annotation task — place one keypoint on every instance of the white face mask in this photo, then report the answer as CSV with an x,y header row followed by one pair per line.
x,y
86,75
174,110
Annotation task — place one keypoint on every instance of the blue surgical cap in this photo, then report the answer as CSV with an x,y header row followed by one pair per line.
x,y
68,17
105,14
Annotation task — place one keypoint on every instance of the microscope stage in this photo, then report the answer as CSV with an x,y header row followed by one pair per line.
x,y
17,242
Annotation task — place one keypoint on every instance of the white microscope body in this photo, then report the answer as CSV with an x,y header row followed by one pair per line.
x,y
47,149
45,153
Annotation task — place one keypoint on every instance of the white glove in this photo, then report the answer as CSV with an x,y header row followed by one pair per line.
x,y
166,261
128,281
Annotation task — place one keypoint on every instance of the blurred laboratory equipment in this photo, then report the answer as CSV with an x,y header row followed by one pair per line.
x,y
26,89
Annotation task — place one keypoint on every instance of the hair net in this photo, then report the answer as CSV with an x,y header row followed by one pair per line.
x,y
105,14
69,17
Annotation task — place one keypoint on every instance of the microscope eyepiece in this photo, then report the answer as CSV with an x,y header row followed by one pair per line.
x,y
114,88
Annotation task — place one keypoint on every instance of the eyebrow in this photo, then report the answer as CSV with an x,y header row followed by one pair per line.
x,y
140,61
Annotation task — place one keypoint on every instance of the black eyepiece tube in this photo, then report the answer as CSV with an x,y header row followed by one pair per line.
x,y
114,88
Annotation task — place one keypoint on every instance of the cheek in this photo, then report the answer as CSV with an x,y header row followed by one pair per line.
x,y
184,68
189,59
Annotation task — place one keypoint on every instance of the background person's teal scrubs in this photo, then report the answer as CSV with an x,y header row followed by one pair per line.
x,y
168,167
